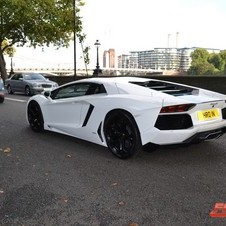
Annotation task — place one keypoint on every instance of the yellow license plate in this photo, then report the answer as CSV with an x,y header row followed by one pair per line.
x,y
208,114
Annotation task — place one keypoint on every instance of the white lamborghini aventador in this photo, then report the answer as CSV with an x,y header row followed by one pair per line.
x,y
129,113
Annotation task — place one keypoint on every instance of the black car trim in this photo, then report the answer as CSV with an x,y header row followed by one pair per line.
x,y
88,114
224,113
99,132
173,122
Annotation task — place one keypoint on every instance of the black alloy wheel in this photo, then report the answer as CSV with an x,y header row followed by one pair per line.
x,y
35,118
122,134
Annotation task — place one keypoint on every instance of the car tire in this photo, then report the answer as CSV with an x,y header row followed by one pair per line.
x,y
122,134
27,91
35,117
9,89
1,99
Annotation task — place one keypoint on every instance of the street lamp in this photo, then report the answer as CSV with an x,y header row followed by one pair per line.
x,y
74,11
11,65
97,71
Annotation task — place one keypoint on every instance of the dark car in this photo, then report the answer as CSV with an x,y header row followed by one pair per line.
x,y
2,95
29,83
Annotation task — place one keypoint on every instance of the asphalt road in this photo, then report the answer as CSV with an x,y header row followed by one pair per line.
x,y
47,179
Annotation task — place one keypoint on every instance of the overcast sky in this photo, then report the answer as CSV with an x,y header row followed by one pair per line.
x,y
131,25
145,24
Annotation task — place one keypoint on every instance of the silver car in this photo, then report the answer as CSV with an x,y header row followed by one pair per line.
x,y
29,83
2,95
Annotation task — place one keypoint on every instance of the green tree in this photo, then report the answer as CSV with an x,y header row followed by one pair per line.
x,y
205,63
200,63
200,55
38,23
10,50
202,68
223,57
217,61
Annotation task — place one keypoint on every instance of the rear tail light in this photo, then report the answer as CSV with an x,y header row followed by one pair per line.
x,y
177,108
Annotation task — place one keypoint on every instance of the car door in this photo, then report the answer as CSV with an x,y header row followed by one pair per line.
x,y
63,111
14,82
21,83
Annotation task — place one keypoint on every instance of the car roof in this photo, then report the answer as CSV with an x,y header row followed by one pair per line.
x,y
110,80
142,86
116,79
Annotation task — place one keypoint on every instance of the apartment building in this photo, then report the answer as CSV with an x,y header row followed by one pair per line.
x,y
160,59
109,58
124,61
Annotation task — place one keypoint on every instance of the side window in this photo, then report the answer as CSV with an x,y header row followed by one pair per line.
x,y
14,77
95,89
26,77
77,89
64,92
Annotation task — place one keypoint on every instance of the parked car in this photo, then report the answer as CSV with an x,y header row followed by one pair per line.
x,y
128,113
2,94
29,83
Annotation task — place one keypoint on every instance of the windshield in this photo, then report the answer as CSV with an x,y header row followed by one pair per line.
x,y
34,76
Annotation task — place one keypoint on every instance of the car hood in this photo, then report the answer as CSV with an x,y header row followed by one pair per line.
x,y
40,81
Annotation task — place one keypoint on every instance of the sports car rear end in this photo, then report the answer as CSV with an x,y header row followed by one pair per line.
x,y
188,114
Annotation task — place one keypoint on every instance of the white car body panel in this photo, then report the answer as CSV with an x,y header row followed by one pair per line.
x,y
67,116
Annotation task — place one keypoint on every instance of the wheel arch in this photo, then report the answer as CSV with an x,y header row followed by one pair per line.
x,y
122,111
118,110
27,86
41,100
136,141
33,101
11,91
29,103
29,106
37,101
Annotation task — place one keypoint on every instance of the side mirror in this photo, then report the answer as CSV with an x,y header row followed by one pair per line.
x,y
46,94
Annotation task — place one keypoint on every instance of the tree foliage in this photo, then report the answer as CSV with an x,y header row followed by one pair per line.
x,y
10,50
205,63
38,23
200,55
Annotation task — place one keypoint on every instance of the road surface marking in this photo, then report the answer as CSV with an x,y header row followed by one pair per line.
x,y
17,100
